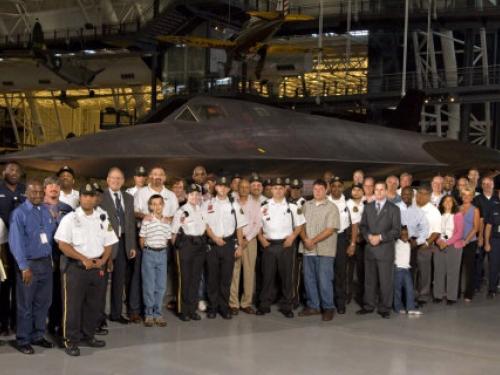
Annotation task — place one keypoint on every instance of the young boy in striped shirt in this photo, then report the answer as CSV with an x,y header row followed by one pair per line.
x,y
153,237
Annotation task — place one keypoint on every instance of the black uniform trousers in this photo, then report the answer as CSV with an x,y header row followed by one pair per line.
x,y
468,265
220,265
340,277
82,292
277,260
55,311
190,258
356,264
8,292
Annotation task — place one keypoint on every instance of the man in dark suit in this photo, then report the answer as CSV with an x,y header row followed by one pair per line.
x,y
120,208
380,227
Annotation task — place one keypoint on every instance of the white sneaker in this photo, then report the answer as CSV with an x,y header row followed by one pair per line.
x,y
202,306
415,312
402,312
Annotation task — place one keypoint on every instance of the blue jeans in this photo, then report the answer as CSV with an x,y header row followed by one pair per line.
x,y
318,281
403,283
33,301
154,281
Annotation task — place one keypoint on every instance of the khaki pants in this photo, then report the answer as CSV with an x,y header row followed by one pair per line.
x,y
248,261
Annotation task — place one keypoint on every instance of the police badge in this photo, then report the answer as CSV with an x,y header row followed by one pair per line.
x,y
355,209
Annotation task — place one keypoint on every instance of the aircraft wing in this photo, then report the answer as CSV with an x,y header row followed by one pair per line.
x,y
195,41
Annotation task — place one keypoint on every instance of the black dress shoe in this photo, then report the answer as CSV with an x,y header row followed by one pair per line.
x,y
25,349
341,310
184,317
450,302
287,313
490,295
437,300
385,314
195,316
263,311
101,331
211,315
72,350
93,343
120,320
364,311
44,343
226,315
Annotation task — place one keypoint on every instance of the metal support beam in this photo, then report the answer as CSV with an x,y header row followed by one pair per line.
x,y
13,120
58,118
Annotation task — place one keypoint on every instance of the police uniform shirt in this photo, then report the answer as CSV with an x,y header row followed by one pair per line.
x,y
9,200
355,210
220,216
88,234
300,202
277,219
72,199
132,190
341,204
262,199
493,219
142,196
191,219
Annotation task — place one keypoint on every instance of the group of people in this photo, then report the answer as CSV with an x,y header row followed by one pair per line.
x,y
225,245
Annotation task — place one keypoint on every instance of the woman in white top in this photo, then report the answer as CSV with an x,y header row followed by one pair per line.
x,y
448,258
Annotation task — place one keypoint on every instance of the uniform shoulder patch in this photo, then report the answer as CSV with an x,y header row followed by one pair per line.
x,y
264,203
241,211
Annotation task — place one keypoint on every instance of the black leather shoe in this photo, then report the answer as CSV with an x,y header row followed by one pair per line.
x,y
101,331
44,343
490,295
25,349
341,310
364,311
385,314
72,350
120,320
450,302
287,313
195,316
437,300
93,343
184,317
263,311
211,315
226,315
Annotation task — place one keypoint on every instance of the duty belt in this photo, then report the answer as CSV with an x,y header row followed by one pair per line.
x,y
155,248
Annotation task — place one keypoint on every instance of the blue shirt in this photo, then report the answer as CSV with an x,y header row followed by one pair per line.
x,y
30,226
57,211
415,220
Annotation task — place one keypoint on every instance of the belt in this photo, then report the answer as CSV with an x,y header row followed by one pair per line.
x,y
155,248
276,242
40,259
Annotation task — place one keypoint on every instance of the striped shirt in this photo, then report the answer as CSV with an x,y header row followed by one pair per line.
x,y
156,232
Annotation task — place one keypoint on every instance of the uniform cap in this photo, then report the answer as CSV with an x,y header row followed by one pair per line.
x,y
141,171
254,177
222,181
87,189
278,181
193,188
336,179
65,169
296,183
266,182
358,186
97,187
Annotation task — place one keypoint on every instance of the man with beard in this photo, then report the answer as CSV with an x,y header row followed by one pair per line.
x,y
12,194
69,195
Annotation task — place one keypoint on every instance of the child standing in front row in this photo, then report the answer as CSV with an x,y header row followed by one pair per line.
x,y
402,276
153,238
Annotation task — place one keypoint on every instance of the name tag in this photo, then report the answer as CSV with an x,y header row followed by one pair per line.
x,y
43,238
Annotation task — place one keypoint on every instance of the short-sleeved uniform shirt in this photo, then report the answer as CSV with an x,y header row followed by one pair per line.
x,y
279,219
191,219
223,216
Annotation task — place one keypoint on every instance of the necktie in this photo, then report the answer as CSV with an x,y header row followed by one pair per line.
x,y
119,213
378,208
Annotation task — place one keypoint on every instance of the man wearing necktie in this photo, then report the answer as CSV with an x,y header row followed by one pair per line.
x,y
380,226
120,208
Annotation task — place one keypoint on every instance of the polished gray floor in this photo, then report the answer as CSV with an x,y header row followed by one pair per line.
x,y
462,339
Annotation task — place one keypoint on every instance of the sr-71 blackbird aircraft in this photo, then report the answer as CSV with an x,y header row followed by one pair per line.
x,y
235,136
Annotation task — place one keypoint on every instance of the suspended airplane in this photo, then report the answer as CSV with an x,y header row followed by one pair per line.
x,y
236,136
254,40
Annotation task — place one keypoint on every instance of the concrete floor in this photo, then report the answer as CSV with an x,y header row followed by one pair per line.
x,y
462,339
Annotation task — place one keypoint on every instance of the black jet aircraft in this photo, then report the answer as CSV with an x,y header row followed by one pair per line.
x,y
230,135
254,39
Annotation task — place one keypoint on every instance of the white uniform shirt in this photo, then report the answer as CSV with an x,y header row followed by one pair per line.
x,y
142,196
433,217
88,234
191,219
356,210
72,199
277,219
220,216
132,190
403,251
341,204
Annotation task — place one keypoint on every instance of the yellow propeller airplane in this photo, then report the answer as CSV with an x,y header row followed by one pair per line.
x,y
253,40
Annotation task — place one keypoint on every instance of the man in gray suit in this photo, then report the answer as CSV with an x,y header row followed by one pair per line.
x,y
120,208
380,227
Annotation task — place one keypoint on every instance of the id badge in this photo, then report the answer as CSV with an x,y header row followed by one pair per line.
x,y
43,238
